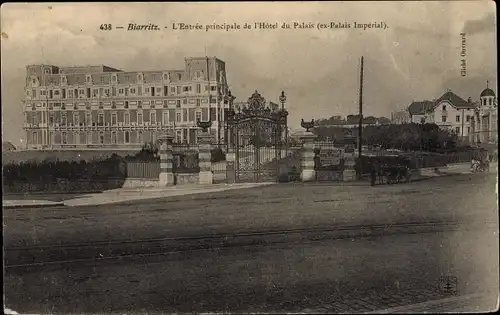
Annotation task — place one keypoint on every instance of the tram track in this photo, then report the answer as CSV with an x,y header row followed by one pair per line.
x,y
41,255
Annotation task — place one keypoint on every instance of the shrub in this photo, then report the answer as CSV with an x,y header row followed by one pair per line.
x,y
51,171
217,155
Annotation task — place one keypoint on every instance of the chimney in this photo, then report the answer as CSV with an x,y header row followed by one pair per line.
x,y
469,100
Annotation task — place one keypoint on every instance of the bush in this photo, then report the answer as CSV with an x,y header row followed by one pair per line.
x,y
51,171
217,155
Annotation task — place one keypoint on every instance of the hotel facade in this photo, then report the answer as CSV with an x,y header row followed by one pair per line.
x,y
102,107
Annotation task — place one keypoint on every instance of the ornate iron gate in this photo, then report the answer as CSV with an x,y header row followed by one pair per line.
x,y
257,134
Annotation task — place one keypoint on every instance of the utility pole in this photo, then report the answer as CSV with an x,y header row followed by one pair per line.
x,y
360,131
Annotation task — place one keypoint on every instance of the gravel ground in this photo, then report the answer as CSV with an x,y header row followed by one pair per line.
x,y
333,276
343,275
456,198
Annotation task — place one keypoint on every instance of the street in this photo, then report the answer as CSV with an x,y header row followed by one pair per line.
x,y
358,249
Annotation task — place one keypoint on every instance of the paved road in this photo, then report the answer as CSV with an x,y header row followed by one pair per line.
x,y
291,273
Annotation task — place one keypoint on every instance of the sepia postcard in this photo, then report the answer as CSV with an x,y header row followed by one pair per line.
x,y
250,157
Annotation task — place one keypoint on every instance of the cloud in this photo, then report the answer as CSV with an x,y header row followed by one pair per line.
x,y
484,25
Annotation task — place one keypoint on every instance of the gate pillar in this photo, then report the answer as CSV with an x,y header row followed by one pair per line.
x,y
307,157
205,158
166,166
349,172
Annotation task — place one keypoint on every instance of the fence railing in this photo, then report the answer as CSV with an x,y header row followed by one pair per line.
x,y
147,170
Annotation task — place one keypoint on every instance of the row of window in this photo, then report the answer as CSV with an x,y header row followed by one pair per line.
x,y
178,104
444,118
117,92
114,118
114,138
88,139
88,78
490,101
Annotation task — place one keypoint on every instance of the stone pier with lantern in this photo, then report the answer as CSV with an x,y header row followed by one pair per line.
x,y
349,173
308,155
204,156
166,177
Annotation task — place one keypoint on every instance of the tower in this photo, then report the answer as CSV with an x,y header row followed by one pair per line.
x,y
486,116
487,96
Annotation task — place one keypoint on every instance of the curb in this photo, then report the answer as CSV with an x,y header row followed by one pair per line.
x,y
39,205
44,193
417,307
178,193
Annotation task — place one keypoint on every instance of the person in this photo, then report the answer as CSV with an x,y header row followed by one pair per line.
x,y
373,173
474,164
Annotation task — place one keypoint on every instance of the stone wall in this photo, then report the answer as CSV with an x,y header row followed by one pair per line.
x,y
141,183
186,178
325,175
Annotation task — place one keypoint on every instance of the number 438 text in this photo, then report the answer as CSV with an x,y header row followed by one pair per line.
x,y
105,27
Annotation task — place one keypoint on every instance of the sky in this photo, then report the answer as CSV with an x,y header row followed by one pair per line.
x,y
417,57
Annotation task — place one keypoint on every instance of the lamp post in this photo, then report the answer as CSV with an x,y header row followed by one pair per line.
x,y
229,98
282,99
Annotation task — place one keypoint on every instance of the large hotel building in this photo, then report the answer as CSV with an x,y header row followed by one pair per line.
x,y
102,107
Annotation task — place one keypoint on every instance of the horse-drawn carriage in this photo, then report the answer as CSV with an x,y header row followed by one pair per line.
x,y
390,169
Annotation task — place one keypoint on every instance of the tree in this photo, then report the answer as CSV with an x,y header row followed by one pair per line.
x,y
427,137
149,151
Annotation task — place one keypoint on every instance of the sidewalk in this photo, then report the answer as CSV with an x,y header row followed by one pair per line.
x,y
450,169
19,204
479,303
130,194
